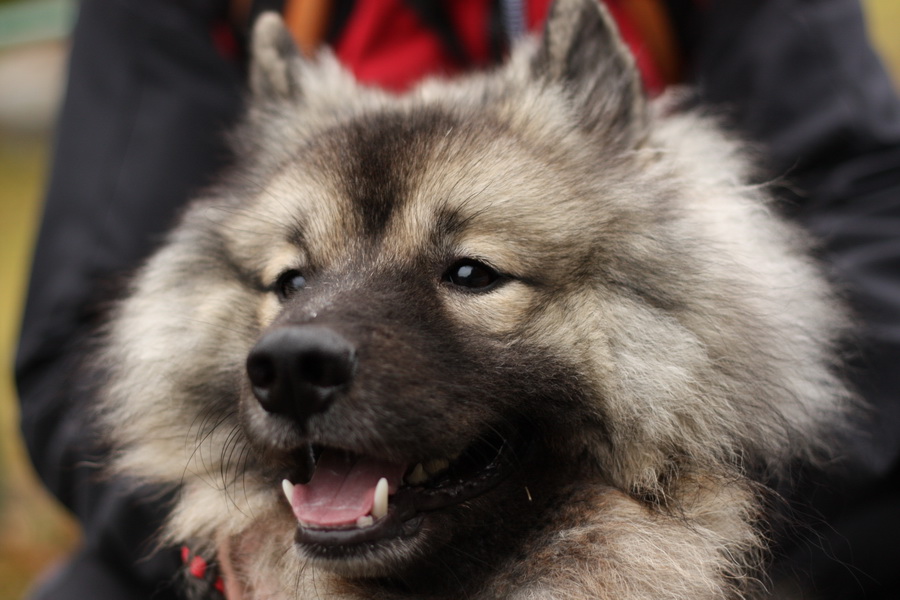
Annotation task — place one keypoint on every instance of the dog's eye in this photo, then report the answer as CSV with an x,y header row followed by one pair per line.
x,y
472,274
288,283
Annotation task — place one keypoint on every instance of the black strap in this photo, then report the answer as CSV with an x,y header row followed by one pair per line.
x,y
434,15
340,15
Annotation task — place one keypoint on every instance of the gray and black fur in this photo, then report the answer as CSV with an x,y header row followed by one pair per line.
x,y
536,261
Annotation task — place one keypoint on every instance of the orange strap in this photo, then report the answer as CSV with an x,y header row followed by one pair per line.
x,y
308,22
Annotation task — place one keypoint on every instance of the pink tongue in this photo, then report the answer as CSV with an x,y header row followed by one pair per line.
x,y
342,488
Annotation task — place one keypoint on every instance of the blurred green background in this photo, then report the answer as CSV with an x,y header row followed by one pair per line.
x,y
34,531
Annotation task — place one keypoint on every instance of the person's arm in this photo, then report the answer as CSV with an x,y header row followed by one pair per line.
x,y
799,77
147,100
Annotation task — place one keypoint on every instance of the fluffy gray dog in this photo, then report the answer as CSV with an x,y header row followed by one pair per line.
x,y
524,335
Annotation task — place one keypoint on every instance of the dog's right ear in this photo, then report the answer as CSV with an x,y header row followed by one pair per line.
x,y
275,60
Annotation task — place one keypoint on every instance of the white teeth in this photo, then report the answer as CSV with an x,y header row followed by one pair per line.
x,y
288,489
365,521
380,506
417,476
436,465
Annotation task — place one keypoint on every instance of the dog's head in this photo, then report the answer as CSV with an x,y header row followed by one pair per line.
x,y
415,315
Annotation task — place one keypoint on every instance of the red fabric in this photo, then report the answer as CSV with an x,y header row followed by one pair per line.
x,y
654,82
385,44
536,13
197,567
223,38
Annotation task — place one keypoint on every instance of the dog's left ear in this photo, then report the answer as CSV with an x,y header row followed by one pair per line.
x,y
275,60
582,51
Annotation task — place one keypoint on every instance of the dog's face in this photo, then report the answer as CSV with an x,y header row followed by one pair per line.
x,y
407,327
404,324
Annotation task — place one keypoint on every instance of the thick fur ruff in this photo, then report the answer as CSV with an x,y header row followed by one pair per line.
x,y
537,258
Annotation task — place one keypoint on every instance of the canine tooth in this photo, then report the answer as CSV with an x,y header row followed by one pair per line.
x,y
380,506
288,489
436,465
365,521
417,476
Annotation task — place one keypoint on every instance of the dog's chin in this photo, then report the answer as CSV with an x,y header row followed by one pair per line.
x,y
386,556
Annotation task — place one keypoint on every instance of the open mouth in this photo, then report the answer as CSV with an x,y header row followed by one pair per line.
x,y
352,499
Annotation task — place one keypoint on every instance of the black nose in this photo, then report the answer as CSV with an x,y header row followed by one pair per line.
x,y
296,370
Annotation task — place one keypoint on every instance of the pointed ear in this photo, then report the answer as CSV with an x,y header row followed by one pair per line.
x,y
582,51
275,60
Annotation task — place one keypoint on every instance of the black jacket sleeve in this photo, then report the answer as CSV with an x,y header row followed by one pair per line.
x,y
799,77
147,99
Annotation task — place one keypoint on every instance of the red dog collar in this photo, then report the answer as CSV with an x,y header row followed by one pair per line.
x,y
198,568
